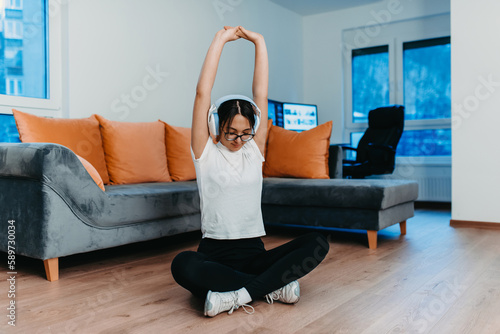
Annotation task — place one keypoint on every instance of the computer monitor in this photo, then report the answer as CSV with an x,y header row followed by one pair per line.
x,y
8,129
299,117
275,112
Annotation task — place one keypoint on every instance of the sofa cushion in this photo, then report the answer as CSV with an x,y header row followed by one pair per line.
x,y
134,152
82,136
338,193
136,203
180,162
350,218
301,155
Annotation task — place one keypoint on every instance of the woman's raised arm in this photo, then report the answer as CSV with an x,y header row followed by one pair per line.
x,y
260,81
199,128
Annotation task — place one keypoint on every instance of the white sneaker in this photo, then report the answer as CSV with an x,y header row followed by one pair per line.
x,y
218,302
289,294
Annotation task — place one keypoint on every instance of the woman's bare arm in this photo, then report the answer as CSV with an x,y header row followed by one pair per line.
x,y
199,128
260,81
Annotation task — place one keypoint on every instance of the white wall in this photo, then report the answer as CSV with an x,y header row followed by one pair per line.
x,y
323,50
114,45
111,44
476,110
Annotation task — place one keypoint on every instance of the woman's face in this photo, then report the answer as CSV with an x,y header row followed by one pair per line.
x,y
239,126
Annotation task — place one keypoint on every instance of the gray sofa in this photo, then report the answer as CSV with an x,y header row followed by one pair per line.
x,y
59,210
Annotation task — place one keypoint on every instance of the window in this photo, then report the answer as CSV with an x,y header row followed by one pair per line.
x,y
370,81
24,66
427,79
407,63
430,142
8,129
415,143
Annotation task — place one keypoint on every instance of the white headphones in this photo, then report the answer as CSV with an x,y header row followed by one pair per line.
x,y
213,116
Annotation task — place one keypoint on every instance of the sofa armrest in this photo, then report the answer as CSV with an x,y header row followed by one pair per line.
x,y
52,165
335,161
35,178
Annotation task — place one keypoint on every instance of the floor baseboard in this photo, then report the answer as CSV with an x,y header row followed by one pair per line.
x,y
474,224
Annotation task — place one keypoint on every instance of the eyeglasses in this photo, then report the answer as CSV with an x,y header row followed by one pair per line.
x,y
233,136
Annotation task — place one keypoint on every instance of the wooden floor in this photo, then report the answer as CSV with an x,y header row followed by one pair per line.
x,y
436,279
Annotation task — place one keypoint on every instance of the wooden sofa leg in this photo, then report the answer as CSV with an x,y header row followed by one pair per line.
x,y
402,226
52,269
372,239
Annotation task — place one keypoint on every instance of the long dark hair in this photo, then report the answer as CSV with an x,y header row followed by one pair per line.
x,y
228,109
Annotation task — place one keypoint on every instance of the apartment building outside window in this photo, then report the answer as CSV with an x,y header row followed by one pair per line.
x,y
24,64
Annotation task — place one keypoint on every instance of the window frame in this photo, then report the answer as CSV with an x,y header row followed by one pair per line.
x,y
394,35
49,106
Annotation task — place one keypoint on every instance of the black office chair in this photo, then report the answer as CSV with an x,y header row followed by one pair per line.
x,y
376,151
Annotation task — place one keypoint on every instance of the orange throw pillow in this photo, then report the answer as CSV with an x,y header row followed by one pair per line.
x,y
134,152
82,136
180,162
93,172
301,155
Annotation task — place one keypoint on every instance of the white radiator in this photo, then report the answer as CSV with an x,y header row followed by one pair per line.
x,y
436,189
434,182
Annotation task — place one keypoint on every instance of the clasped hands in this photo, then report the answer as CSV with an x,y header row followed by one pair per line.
x,y
229,34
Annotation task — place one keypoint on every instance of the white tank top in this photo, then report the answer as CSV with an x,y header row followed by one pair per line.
x,y
230,187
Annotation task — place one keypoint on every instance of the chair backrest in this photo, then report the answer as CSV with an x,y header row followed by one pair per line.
x,y
385,127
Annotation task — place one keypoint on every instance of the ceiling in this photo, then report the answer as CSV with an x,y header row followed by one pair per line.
x,y
310,7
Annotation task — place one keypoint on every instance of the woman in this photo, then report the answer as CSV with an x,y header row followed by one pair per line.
x,y
231,267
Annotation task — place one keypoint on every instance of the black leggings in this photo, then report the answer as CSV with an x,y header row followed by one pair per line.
x,y
228,265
